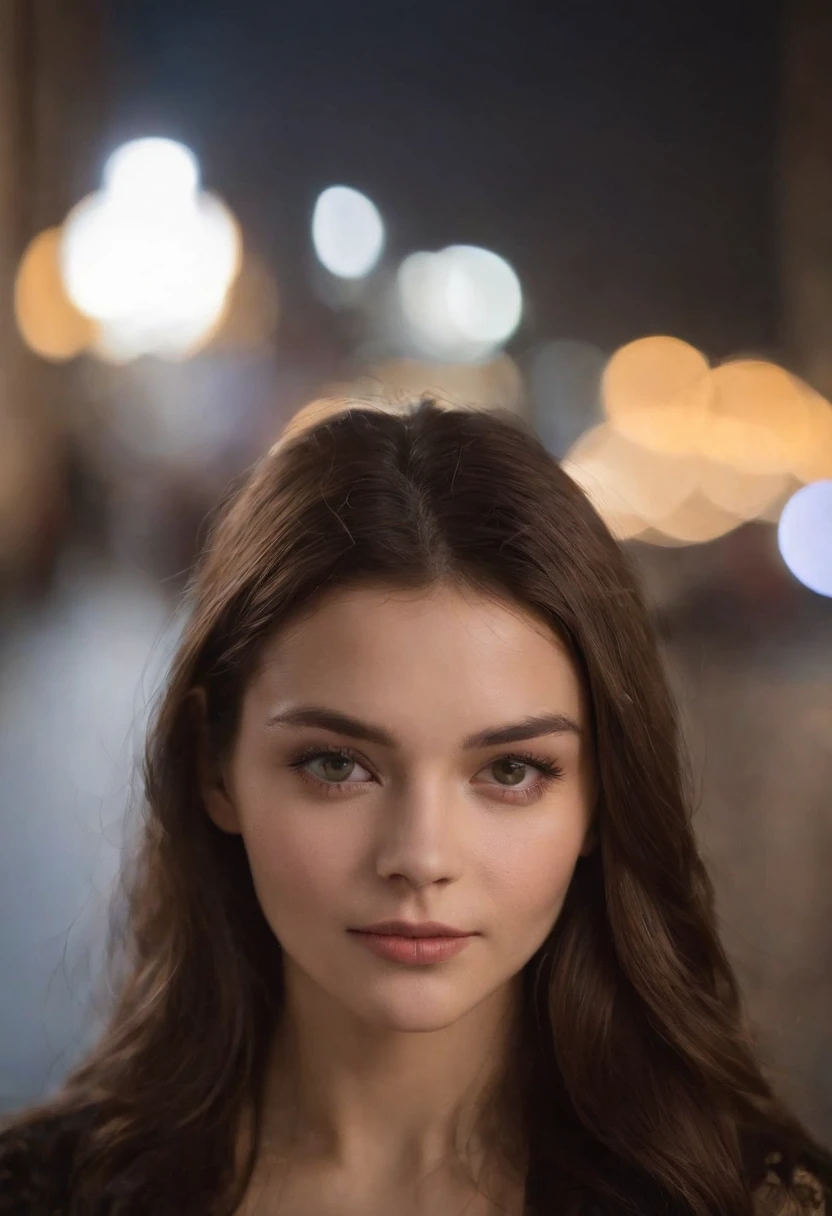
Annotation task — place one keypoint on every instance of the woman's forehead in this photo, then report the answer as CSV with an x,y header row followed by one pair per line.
x,y
382,656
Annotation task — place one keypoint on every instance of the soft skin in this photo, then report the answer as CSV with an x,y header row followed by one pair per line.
x,y
383,1057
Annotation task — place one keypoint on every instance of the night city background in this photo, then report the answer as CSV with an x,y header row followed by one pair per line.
x,y
633,207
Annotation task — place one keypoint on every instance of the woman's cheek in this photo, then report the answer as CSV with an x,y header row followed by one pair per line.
x,y
530,874
296,864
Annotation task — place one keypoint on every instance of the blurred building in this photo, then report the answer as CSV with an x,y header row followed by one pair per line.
x,y
51,88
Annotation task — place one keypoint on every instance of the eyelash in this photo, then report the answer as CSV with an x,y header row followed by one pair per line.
x,y
550,772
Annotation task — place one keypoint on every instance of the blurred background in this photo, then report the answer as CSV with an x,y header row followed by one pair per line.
x,y
613,219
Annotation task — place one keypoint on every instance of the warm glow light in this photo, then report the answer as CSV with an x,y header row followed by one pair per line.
x,y
815,464
591,464
744,495
752,427
772,513
629,478
347,232
696,521
761,417
804,535
656,498
147,257
594,480
461,304
652,392
47,319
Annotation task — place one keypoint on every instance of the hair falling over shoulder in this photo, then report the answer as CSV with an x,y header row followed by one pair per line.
x,y
636,1078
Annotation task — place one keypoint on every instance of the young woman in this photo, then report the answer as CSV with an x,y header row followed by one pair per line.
x,y
418,685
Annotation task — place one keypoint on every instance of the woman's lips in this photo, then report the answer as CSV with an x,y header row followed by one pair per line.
x,y
413,950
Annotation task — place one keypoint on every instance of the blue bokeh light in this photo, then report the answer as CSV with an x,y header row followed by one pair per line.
x,y
804,535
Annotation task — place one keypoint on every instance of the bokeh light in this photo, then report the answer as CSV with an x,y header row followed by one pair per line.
x,y
804,535
760,418
151,172
750,432
593,464
694,522
48,321
121,264
653,393
484,297
659,498
347,232
153,266
745,495
641,482
815,463
460,304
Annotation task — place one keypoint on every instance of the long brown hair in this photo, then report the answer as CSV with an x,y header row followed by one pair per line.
x,y
637,1069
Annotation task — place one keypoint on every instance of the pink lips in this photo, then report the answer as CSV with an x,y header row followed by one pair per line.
x,y
413,950
412,928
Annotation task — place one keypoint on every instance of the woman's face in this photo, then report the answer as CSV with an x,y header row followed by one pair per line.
x,y
417,826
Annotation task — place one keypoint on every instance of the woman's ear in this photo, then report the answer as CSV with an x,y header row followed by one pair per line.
x,y
218,803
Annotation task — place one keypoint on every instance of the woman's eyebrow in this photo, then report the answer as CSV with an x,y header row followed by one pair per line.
x,y
320,716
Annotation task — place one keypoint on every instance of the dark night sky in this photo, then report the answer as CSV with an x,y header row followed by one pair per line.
x,y
621,155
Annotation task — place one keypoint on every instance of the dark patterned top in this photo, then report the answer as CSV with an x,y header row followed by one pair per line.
x,y
36,1165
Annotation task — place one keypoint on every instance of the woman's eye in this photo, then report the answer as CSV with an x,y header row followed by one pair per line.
x,y
336,767
517,770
